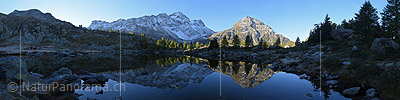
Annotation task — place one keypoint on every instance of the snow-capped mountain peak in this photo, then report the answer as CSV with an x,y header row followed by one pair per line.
x,y
176,26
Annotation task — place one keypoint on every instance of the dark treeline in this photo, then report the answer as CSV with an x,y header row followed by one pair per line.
x,y
365,24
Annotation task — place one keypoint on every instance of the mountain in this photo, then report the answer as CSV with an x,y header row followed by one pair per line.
x,y
176,26
257,31
42,29
33,13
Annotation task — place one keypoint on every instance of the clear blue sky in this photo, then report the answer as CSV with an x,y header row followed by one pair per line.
x,y
291,18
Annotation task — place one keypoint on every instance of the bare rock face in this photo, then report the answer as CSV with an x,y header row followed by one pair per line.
x,y
254,28
380,43
33,13
341,33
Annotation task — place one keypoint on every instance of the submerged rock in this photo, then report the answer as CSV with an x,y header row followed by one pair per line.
x,y
371,92
351,91
331,77
346,63
309,95
331,82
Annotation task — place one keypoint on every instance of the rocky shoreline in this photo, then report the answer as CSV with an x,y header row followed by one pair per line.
x,y
340,65
31,80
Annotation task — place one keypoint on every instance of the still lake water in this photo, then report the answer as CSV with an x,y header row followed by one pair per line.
x,y
185,78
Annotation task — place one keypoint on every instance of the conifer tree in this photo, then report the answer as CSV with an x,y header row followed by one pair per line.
x,y
191,46
298,41
261,44
324,29
366,21
236,41
213,44
197,45
224,42
158,43
184,45
391,19
248,41
171,44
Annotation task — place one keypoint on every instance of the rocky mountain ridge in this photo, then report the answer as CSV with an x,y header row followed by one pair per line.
x,y
42,29
175,26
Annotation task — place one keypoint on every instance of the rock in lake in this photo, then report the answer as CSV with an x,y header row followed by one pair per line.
x,y
371,92
309,95
351,91
331,82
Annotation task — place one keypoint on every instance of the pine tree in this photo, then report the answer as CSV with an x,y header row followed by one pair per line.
x,y
213,44
191,46
391,19
184,45
366,21
162,42
171,44
298,41
345,24
180,45
261,44
248,41
197,45
324,29
266,45
236,41
158,43
224,42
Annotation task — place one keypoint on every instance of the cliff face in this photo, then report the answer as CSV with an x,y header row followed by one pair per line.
x,y
254,28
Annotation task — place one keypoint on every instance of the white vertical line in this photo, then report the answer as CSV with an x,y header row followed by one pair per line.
x,y
120,64
220,66
320,63
20,61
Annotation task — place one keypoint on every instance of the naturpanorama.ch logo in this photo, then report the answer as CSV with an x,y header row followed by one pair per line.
x,y
55,86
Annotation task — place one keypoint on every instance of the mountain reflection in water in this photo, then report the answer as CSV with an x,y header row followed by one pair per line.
x,y
177,72
182,78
